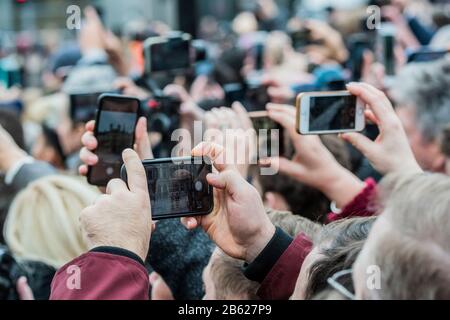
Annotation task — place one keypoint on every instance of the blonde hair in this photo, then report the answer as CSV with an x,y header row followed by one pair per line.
x,y
43,221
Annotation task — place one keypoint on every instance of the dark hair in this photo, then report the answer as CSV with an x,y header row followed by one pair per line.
x,y
52,140
11,123
302,199
341,242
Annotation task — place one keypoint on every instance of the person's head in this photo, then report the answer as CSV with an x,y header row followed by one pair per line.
x,y
224,279
48,148
43,221
283,193
423,105
335,250
407,254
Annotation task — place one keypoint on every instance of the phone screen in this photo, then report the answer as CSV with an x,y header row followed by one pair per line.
x,y
178,187
332,113
270,137
115,127
171,55
83,106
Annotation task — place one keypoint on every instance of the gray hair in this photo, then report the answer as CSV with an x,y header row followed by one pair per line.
x,y
426,88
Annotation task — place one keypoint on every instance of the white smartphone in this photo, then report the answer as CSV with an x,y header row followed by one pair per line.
x,y
329,113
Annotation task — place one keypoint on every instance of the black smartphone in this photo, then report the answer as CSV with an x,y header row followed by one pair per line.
x,y
426,55
167,53
83,106
270,135
178,187
256,97
115,130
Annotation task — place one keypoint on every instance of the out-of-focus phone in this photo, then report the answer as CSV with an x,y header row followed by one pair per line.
x,y
83,106
256,96
167,53
386,47
270,135
329,113
115,130
178,187
426,55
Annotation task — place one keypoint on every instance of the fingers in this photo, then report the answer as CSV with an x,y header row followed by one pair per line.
x,y
83,170
24,290
213,151
229,180
88,157
375,99
142,145
360,142
284,115
242,115
190,223
89,141
137,179
116,185
90,126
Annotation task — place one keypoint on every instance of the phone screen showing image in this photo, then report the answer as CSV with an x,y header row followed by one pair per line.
x,y
115,128
179,188
332,113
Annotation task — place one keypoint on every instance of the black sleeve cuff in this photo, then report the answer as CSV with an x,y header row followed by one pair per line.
x,y
119,252
264,262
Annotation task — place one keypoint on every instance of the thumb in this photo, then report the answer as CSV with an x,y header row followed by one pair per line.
x,y
229,180
137,179
143,147
359,141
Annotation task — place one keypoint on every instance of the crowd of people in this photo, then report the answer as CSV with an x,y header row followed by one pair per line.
x,y
350,216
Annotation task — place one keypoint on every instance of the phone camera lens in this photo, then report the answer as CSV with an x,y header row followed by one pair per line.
x,y
198,186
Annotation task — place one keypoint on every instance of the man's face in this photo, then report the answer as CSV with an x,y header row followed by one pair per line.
x,y
427,153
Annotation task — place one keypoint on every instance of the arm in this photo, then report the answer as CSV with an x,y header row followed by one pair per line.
x,y
102,274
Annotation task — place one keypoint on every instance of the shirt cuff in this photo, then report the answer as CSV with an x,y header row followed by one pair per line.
x,y
12,172
119,252
264,262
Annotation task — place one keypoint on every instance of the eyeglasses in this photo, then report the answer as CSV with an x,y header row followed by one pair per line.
x,y
334,283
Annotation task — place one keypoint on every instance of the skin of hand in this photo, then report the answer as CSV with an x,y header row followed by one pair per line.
x,y
233,129
391,151
10,153
313,164
122,217
89,158
24,290
238,224
129,88
92,31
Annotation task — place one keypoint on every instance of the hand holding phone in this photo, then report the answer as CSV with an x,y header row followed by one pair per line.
x,y
239,224
391,151
329,113
270,135
114,131
177,187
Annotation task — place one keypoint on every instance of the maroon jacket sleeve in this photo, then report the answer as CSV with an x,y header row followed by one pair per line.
x,y
101,276
359,207
279,282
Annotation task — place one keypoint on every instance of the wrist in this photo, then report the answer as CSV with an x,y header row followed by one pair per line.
x,y
138,249
342,187
259,242
10,158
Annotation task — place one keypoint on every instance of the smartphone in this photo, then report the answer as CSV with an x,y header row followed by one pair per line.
x,y
256,96
167,53
329,113
83,106
270,135
115,130
426,55
386,47
178,187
